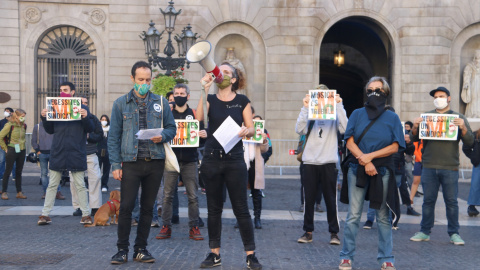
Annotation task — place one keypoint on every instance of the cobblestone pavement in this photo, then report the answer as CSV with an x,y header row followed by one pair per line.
x,y
66,244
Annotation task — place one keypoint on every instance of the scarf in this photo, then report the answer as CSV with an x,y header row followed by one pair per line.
x,y
105,131
375,105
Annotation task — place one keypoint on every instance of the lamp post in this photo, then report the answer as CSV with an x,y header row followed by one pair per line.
x,y
339,58
151,39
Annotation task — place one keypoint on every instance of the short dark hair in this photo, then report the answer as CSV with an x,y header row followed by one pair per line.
x,y
182,85
168,94
258,116
9,109
409,123
140,64
69,84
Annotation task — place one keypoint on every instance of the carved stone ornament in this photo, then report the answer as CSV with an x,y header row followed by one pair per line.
x,y
97,16
32,15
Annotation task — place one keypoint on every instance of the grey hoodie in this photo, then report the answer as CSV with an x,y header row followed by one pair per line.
x,y
322,144
41,140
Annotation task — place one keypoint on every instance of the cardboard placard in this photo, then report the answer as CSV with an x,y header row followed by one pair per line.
x,y
438,127
187,134
322,105
63,109
259,126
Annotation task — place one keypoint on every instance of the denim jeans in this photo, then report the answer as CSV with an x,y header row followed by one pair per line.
x,y
147,174
371,214
474,195
222,169
189,172
136,210
356,197
44,159
431,181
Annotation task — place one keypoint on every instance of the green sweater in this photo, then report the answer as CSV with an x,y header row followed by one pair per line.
x,y
17,137
439,154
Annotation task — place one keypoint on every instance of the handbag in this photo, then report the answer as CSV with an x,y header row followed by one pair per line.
x,y
303,141
171,162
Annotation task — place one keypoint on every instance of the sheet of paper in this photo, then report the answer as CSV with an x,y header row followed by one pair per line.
x,y
227,134
147,134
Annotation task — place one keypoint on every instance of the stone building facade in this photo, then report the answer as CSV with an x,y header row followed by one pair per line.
x,y
286,47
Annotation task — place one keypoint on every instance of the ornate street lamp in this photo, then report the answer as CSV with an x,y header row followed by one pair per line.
x,y
152,37
339,57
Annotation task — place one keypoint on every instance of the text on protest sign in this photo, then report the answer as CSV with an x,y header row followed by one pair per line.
x,y
322,104
438,127
259,126
187,134
63,109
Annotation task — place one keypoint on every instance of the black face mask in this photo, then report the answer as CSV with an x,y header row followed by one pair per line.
x,y
375,104
180,101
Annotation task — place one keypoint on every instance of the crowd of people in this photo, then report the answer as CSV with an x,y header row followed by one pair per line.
x,y
385,163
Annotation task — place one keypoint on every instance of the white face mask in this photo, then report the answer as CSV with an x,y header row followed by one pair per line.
x,y
440,103
104,123
6,114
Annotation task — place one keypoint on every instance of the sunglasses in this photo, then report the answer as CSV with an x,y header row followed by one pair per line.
x,y
376,90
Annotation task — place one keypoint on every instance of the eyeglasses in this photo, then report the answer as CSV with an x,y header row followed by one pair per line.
x,y
376,90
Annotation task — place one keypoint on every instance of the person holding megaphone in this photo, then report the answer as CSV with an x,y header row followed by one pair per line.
x,y
221,168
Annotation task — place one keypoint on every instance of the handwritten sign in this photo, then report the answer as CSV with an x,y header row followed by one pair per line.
x,y
322,105
438,127
187,134
63,109
259,126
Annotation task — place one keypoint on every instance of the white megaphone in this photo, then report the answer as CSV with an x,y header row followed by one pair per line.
x,y
200,53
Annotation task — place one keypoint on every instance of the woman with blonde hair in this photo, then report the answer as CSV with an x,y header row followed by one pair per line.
x,y
12,141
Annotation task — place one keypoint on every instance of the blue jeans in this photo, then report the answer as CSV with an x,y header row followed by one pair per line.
x,y
44,159
136,211
431,181
356,197
474,195
371,214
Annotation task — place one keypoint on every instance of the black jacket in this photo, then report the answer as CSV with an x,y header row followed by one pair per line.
x,y
68,152
473,151
186,154
94,137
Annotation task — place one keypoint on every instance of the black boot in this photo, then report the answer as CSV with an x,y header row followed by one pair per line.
x,y
412,212
472,211
258,223
257,207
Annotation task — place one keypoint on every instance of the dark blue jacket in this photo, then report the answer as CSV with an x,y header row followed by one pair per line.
x,y
68,152
94,137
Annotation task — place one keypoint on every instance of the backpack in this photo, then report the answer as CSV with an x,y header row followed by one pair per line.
x,y
6,139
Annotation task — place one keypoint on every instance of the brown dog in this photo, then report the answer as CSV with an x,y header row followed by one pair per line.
x,y
107,211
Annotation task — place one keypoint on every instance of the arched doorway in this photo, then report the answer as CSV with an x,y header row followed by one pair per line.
x,y
368,52
65,53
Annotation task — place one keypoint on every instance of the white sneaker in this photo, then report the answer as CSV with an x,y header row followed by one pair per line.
x,y
104,190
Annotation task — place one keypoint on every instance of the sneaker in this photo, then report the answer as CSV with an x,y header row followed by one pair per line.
x,y
318,208
165,232
368,225
395,228
155,224
77,213
59,196
120,257
472,211
301,208
195,234
4,196
388,266
104,190
44,220
134,222
175,219
306,238
20,195
258,223
142,255
456,240
86,220
412,212
334,240
252,262
345,265
212,260
420,236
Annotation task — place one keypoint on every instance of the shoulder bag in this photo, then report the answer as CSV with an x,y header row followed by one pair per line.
x,y
303,142
171,162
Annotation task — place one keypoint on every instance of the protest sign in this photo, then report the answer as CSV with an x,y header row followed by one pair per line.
x,y
187,134
259,126
438,127
63,109
322,105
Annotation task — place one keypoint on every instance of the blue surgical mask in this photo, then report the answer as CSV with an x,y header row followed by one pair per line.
x,y
142,89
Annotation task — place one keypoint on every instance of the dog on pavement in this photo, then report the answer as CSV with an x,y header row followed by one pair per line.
x,y
107,211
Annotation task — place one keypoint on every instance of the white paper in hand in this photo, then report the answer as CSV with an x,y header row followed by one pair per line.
x,y
227,134
147,134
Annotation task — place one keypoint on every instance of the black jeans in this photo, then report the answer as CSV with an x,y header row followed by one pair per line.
x,y
326,176
229,169
318,198
256,193
104,164
149,175
11,158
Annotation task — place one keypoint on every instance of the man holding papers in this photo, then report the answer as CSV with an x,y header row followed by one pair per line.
x,y
138,162
223,162
440,161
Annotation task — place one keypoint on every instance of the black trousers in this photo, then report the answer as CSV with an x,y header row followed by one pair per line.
x,y
10,158
326,176
256,193
104,164
148,174
318,198
221,169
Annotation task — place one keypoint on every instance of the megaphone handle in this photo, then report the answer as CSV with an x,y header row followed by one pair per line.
x,y
205,109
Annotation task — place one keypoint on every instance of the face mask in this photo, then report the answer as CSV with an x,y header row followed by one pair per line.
x,y
440,103
142,89
225,83
22,119
375,104
104,123
180,101
6,114
62,94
